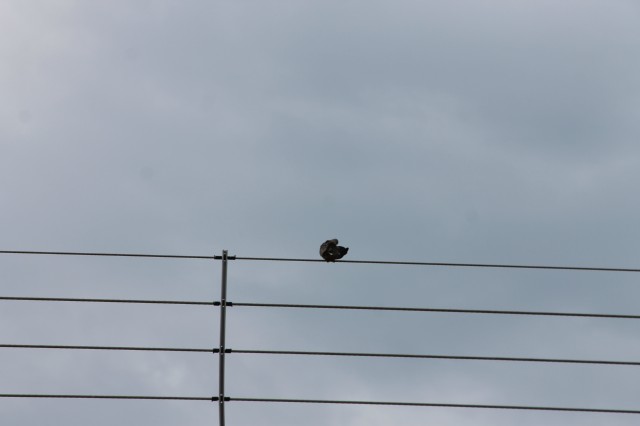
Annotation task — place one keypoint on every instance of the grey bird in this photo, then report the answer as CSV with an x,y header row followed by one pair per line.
x,y
331,251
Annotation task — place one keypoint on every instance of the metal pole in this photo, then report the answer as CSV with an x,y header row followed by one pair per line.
x,y
223,318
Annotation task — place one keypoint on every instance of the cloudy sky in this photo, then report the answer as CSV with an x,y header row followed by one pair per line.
x,y
442,131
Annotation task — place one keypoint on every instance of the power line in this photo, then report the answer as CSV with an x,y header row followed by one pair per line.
x,y
379,262
110,348
321,353
429,404
310,306
472,265
440,310
222,350
67,299
449,357
321,401
70,253
175,398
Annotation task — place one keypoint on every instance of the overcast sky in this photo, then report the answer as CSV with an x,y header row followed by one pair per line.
x,y
444,131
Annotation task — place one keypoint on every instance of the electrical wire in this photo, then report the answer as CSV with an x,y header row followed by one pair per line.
x,y
379,262
308,306
448,357
378,308
69,253
438,310
472,265
322,401
110,348
322,353
429,404
176,398
66,299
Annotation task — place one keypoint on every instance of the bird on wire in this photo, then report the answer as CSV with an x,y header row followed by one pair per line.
x,y
331,251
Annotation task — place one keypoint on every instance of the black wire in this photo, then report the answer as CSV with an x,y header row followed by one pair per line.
x,y
473,265
318,401
61,299
457,311
353,354
177,398
380,262
68,253
305,306
452,357
110,348
428,404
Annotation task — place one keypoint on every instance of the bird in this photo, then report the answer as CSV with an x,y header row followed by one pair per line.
x,y
331,251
